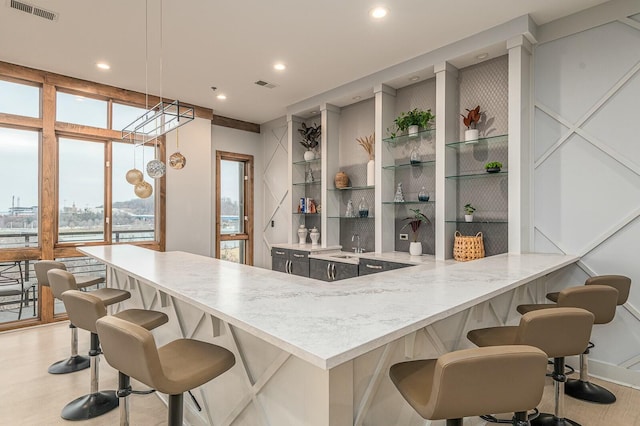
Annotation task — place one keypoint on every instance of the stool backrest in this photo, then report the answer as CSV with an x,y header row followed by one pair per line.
x,y
559,332
61,281
495,379
600,300
130,349
43,267
619,282
84,309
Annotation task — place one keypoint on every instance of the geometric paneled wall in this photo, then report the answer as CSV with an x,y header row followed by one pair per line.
x,y
587,172
275,184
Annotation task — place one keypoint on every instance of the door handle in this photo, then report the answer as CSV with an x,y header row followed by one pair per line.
x,y
333,271
288,266
298,255
279,252
373,266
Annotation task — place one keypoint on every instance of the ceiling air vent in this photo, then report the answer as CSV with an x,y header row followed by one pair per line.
x,y
33,10
265,84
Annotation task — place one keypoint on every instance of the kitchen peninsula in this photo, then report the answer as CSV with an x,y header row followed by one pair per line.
x,y
316,353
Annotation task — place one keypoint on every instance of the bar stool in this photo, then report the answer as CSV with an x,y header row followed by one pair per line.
x,y
84,309
173,369
601,301
75,362
558,332
472,382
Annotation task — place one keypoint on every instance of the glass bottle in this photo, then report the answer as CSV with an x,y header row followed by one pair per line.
x,y
350,212
415,156
423,195
363,208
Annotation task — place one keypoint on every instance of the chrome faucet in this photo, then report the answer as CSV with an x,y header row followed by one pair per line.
x,y
357,249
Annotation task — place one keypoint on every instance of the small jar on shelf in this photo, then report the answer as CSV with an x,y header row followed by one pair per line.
x,y
363,208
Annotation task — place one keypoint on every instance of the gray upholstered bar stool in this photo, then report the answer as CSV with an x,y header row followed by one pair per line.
x,y
173,369
601,301
558,332
472,382
75,362
84,309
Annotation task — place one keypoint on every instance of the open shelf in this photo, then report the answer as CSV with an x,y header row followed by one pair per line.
x,y
355,217
400,203
304,162
406,165
477,175
315,182
480,222
489,139
352,187
424,134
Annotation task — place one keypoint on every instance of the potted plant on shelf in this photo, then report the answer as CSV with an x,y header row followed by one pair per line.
x,y
471,120
468,210
413,120
493,167
310,136
415,248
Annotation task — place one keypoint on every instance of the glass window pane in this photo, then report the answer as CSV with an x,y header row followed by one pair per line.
x,y
123,115
81,190
133,218
81,110
18,188
233,251
231,197
18,292
19,99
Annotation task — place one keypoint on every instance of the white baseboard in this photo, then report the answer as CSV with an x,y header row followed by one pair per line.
x,y
614,373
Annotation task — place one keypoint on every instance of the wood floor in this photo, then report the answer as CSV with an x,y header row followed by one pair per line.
x,y
31,396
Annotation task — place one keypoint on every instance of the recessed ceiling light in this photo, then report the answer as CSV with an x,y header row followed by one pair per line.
x,y
103,66
221,97
280,66
357,98
378,12
415,78
313,112
482,56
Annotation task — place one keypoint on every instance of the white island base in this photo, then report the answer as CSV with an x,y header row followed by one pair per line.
x,y
313,353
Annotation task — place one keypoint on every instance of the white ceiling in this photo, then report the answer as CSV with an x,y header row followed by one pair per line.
x,y
231,44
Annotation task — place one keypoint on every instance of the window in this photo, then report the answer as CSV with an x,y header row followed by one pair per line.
x,y
132,218
19,99
81,190
19,188
78,109
123,115
234,212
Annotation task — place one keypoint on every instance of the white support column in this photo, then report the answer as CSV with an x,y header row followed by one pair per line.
x,y
520,156
447,109
385,99
293,124
330,151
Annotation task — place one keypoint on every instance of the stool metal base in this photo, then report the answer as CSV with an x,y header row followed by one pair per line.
x,y
90,406
546,419
587,391
69,365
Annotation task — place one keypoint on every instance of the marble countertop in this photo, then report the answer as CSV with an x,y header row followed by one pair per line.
x,y
327,324
395,256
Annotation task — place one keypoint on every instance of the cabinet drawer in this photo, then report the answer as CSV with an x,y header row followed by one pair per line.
x,y
280,253
372,266
298,255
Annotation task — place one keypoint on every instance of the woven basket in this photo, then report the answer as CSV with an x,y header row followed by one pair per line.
x,y
468,247
341,180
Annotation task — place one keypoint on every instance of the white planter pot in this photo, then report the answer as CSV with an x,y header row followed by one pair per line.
x,y
468,218
309,155
371,173
415,249
471,135
413,131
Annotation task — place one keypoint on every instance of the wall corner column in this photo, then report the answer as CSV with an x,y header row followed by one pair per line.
x,y
330,153
385,100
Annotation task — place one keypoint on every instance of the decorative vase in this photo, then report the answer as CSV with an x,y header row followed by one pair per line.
x,y
363,208
302,234
413,131
315,236
415,157
371,173
423,195
471,135
309,155
350,212
415,248
468,218
341,180
399,197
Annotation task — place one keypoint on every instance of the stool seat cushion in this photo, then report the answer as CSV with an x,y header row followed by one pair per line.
x,y
553,296
142,317
494,336
83,281
110,296
472,382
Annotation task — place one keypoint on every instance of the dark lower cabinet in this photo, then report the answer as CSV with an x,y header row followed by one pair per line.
x,y
295,262
372,266
331,271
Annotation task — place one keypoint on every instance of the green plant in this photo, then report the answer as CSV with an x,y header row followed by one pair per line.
x,y
493,165
415,117
310,135
469,209
415,221
472,118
